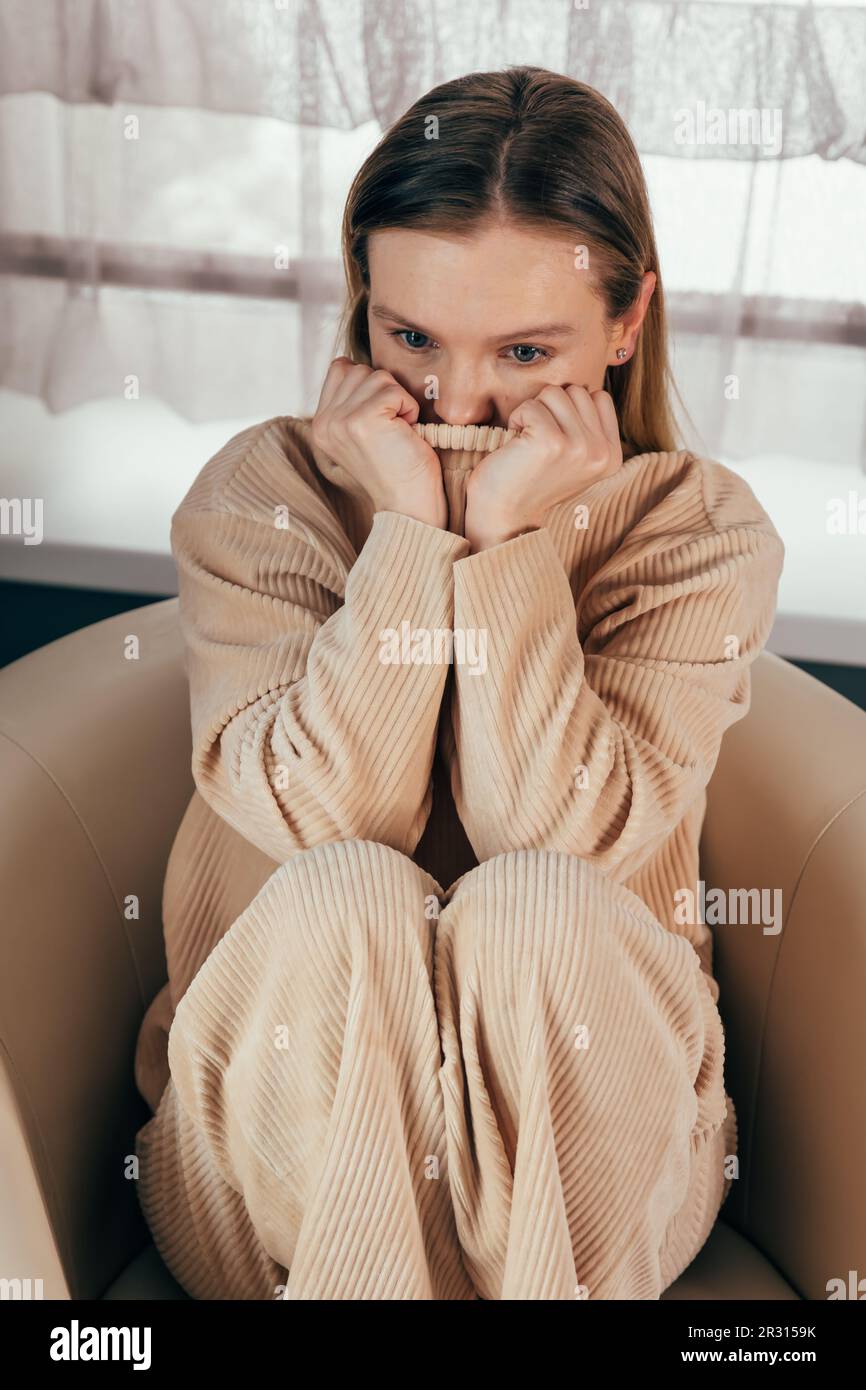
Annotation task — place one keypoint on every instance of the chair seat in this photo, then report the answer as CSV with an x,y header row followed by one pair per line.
x,y
145,1277
727,1268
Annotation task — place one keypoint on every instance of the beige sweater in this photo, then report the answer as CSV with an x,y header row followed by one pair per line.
x,y
597,663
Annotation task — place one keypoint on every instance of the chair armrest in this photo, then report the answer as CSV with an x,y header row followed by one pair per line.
x,y
786,811
95,763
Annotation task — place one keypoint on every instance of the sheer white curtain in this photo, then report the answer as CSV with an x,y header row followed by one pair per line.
x,y
172,175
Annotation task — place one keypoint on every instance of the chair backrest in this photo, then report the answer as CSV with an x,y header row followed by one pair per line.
x,y
786,814
95,770
95,763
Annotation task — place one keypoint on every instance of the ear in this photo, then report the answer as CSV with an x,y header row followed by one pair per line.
x,y
630,323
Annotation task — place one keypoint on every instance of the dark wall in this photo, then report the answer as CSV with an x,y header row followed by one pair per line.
x,y
850,681
33,614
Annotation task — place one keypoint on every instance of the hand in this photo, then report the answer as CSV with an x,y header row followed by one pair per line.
x,y
363,422
569,438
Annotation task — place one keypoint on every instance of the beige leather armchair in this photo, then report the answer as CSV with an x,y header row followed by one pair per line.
x,y
95,770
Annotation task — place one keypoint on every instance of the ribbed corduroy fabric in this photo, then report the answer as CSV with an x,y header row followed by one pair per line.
x,y
433,1027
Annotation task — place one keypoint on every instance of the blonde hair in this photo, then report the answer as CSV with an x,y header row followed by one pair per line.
x,y
543,151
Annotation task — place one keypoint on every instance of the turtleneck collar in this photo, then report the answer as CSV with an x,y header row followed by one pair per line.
x,y
460,447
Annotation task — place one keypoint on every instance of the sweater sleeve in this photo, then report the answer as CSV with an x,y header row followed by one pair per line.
x,y
599,746
301,733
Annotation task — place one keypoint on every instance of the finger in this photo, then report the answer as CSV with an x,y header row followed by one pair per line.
x,y
368,387
390,394
532,415
353,378
606,410
333,378
342,378
585,407
564,410
394,396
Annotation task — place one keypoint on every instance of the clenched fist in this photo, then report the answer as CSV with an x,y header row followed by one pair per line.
x,y
363,421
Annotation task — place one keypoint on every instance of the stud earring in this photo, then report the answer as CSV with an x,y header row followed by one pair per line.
x,y
621,353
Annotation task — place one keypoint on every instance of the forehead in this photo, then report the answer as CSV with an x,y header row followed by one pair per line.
x,y
498,280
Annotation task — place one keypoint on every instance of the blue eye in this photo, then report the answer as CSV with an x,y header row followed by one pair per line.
x,y
544,354
413,333
403,334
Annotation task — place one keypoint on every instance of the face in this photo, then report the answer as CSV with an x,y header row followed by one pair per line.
x,y
474,328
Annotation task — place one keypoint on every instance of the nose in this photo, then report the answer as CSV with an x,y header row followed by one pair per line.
x,y
469,391
456,407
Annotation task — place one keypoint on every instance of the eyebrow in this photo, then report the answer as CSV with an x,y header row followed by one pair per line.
x,y
545,330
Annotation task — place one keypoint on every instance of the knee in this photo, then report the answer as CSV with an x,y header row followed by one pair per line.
x,y
527,909
524,886
315,912
341,881
337,911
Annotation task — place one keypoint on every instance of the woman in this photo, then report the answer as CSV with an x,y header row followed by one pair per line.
x,y
453,1039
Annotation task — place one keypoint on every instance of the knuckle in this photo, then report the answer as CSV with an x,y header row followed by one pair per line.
x,y
354,424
